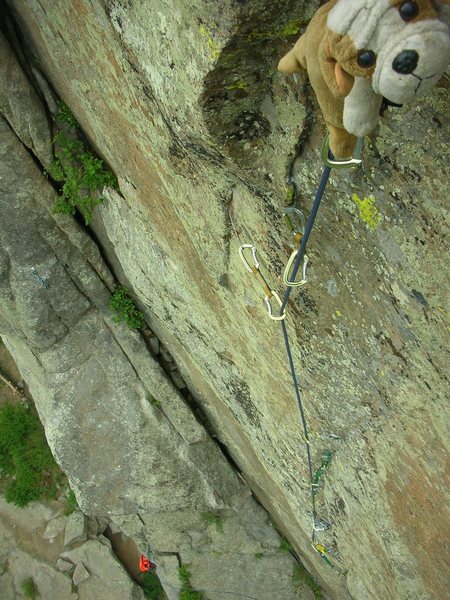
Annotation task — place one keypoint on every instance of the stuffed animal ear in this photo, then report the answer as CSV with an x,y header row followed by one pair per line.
x,y
344,81
294,60
339,82
289,63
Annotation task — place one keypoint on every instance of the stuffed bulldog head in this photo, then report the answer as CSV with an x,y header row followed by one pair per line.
x,y
358,51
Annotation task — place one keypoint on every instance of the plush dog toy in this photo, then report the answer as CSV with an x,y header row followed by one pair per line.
x,y
357,52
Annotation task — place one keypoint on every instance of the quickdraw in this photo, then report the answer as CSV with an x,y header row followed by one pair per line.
x,y
299,260
255,269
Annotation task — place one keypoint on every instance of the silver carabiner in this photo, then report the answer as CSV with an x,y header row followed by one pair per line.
x,y
334,163
244,260
269,307
319,525
288,268
298,221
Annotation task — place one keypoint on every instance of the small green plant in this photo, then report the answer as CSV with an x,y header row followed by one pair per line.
x,y
215,520
152,586
26,463
153,401
65,115
82,174
72,504
186,591
29,588
259,555
285,546
302,577
190,595
126,310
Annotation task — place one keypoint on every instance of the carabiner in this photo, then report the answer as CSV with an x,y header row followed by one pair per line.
x,y
297,220
288,268
334,163
319,525
269,307
244,260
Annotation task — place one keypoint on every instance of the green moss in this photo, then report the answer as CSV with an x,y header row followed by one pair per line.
x,y
126,310
26,463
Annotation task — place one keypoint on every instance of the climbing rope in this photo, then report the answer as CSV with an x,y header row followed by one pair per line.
x,y
299,260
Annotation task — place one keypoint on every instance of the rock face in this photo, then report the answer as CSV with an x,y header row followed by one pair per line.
x,y
184,103
25,555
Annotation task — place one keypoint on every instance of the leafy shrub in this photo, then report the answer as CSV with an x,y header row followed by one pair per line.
x,y
126,310
82,174
26,463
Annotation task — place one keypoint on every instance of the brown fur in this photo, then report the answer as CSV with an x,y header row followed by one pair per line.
x,y
330,60
315,52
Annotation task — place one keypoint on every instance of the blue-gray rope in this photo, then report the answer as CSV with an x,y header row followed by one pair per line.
x,y
299,260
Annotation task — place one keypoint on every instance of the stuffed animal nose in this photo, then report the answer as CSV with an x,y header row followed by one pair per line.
x,y
405,62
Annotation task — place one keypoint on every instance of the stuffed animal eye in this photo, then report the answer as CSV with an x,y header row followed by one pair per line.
x,y
366,59
409,10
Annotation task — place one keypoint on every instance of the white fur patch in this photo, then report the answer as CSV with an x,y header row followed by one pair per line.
x,y
357,18
362,108
430,38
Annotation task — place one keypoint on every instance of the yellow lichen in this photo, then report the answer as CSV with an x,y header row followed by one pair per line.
x,y
368,212
292,28
238,85
214,51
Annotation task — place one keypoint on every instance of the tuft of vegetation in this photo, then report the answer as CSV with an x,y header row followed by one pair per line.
x,y
126,310
151,586
29,588
215,520
26,463
259,555
186,591
153,401
82,175
72,504
190,595
65,116
285,546
302,577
